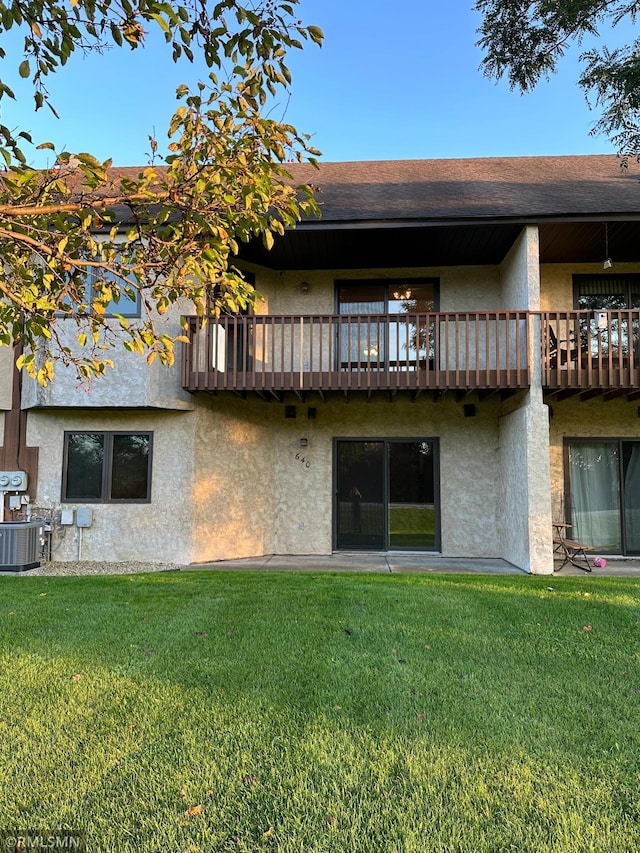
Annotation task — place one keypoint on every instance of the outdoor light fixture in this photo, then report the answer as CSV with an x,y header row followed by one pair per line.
x,y
304,287
607,263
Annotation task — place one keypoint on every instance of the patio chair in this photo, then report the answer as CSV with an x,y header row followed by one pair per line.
x,y
562,352
572,552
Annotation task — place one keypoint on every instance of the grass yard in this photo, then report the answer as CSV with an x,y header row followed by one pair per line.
x,y
230,712
412,527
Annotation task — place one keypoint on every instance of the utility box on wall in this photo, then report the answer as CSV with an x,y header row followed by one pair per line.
x,y
20,545
13,481
84,516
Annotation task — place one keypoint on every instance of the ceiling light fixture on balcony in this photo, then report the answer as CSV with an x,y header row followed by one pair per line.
x,y
402,296
607,263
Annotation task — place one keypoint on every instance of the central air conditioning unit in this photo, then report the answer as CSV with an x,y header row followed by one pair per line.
x,y
20,545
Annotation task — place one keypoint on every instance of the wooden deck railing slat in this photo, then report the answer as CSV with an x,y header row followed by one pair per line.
x,y
588,349
358,352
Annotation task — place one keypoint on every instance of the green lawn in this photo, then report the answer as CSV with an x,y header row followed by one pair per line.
x,y
316,712
412,527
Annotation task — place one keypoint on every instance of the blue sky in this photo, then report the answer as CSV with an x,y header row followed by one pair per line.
x,y
393,81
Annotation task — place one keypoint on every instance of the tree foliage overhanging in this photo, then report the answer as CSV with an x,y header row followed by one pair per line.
x,y
81,240
525,40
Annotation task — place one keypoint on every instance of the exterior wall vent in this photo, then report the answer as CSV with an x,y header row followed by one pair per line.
x,y
20,545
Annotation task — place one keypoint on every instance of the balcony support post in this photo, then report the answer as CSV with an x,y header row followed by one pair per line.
x,y
526,478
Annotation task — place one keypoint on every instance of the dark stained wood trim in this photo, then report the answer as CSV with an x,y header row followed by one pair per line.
x,y
581,356
14,453
458,351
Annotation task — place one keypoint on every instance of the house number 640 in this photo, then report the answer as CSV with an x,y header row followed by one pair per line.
x,y
303,460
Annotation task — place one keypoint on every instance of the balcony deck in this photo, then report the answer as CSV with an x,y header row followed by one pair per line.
x,y
271,355
591,353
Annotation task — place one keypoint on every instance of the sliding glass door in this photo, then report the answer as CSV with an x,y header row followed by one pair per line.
x,y
631,496
412,497
375,333
386,495
360,511
603,494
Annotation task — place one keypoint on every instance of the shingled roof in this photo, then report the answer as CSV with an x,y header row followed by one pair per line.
x,y
466,211
471,189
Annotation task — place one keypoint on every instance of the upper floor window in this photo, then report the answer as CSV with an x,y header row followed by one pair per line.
x,y
605,292
107,467
387,337
395,296
126,304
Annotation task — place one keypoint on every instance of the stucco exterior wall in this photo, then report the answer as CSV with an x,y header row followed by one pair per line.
x,y
253,496
468,456
132,383
471,288
231,479
233,487
556,282
525,506
227,483
525,509
519,273
160,530
6,377
588,419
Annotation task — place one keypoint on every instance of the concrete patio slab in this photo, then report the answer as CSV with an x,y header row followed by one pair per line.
x,y
616,567
390,563
404,563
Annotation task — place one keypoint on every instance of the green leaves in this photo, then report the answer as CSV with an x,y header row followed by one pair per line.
x,y
525,42
611,80
77,283
316,35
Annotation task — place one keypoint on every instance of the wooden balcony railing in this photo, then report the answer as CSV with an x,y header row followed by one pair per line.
x,y
596,350
333,352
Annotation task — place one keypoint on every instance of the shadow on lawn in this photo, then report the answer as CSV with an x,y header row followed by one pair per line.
x,y
495,656
492,707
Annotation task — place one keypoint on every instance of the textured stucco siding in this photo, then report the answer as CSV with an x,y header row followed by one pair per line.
x,y
6,377
231,479
588,419
520,273
160,530
233,489
227,483
131,383
525,507
556,282
253,496
471,288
